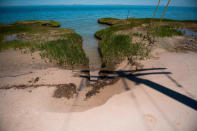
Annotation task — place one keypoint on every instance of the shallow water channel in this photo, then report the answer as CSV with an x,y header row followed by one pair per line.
x,y
90,45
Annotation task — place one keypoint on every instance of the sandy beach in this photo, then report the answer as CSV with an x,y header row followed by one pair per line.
x,y
160,96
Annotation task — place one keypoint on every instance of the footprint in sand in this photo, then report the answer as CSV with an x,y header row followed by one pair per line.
x,y
150,120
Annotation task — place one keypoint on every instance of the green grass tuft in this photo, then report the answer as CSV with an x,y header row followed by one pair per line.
x,y
65,52
167,31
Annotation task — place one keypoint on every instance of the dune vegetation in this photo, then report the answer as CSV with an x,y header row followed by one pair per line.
x,y
60,45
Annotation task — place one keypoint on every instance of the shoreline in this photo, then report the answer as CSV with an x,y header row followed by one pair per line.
x,y
162,43
127,94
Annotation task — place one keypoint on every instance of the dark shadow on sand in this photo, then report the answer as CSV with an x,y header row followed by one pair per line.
x,y
133,75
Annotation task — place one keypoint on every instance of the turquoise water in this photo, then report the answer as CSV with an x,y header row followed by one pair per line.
x,y
83,19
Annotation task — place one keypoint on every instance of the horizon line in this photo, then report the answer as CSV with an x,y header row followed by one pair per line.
x,y
91,5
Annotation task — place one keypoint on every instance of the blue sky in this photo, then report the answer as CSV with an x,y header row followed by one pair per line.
x,y
97,2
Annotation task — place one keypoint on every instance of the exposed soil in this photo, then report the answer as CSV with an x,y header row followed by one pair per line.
x,y
100,84
67,90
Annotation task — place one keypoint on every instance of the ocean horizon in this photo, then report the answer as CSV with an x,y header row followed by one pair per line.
x,y
93,5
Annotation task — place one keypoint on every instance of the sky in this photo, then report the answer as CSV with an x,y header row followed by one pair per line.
x,y
97,2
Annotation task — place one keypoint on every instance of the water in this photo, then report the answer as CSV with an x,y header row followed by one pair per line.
x,y
14,37
83,19
188,32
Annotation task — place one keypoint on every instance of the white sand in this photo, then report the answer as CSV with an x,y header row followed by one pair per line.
x,y
142,108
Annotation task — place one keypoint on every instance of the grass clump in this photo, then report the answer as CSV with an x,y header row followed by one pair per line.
x,y
115,48
167,31
66,52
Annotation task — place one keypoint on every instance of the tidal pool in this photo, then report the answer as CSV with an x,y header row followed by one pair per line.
x,y
14,37
188,32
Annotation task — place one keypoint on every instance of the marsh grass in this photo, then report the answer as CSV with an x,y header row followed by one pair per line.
x,y
107,32
167,31
109,21
65,51
17,28
27,27
64,46
115,48
15,44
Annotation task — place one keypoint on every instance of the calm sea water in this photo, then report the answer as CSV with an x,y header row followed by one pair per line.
x,y
83,19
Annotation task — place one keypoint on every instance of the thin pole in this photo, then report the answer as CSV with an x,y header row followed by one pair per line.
x,y
155,10
149,27
164,11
